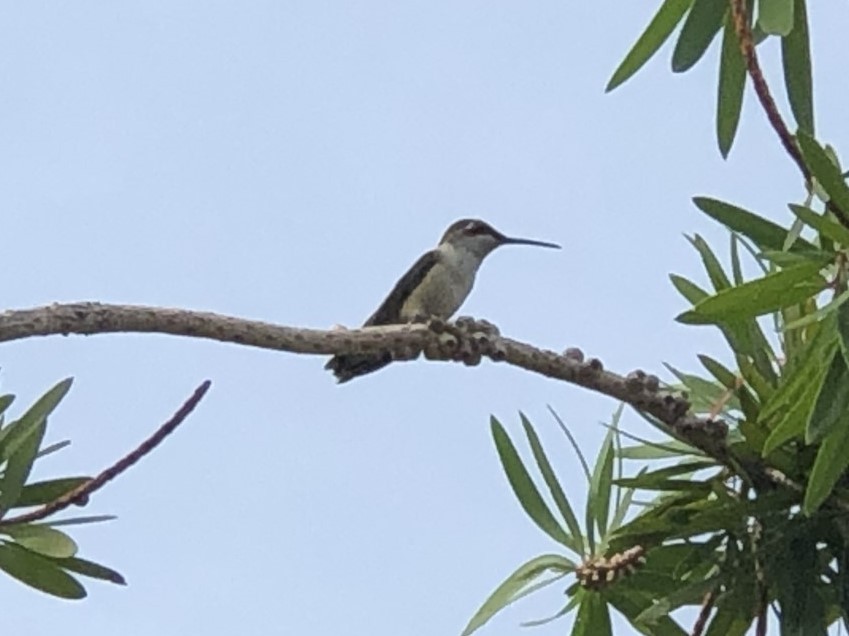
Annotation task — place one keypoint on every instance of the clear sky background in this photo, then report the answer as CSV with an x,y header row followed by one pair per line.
x,y
286,162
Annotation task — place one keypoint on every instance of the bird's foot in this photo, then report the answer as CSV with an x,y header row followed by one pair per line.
x,y
474,325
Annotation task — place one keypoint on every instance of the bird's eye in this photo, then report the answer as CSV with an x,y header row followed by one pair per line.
x,y
472,228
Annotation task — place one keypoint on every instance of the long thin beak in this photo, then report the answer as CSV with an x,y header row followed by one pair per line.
x,y
518,241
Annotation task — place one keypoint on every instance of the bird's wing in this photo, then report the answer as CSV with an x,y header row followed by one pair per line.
x,y
390,308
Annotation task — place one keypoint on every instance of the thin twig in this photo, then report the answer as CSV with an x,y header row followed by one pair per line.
x,y
761,624
704,614
81,493
747,47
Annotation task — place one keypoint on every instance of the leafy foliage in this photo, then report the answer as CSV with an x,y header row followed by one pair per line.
x,y
758,520
701,21
38,554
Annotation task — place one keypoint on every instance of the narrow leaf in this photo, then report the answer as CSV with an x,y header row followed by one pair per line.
x,y
832,401
686,595
763,233
796,60
822,224
598,502
41,539
712,265
5,402
38,572
651,450
524,487
832,460
77,521
593,617
824,170
554,487
90,569
819,314
19,466
701,26
514,584
732,81
42,492
775,17
754,298
14,434
572,441
688,289
659,29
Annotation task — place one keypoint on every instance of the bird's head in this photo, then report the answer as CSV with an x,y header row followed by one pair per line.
x,y
480,238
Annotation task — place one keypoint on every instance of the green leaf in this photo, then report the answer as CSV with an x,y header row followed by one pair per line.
x,y
775,17
90,569
42,492
38,572
572,442
822,224
832,460
832,404
712,265
819,314
53,448
723,374
19,466
791,259
5,402
630,602
524,487
16,433
593,617
732,81
577,539
754,298
796,60
794,572
651,450
41,539
661,26
704,394
843,330
689,594
700,27
688,289
514,585
566,609
762,232
824,170
598,502
727,621
657,479
736,266
622,509
76,521
795,398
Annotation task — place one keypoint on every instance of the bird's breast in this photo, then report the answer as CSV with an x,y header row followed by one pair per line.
x,y
443,289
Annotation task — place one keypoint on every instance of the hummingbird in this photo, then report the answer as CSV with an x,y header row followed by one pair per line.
x,y
435,286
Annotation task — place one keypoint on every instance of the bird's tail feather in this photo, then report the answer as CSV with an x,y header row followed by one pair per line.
x,y
348,367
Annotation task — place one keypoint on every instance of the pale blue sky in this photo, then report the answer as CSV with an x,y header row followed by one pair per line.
x,y
287,161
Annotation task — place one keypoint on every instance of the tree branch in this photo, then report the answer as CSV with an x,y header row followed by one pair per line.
x,y
466,341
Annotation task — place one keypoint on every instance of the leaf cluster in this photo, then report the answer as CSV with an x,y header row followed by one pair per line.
x,y
39,554
701,21
762,524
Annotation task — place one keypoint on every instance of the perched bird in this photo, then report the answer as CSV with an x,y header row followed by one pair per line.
x,y
435,286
